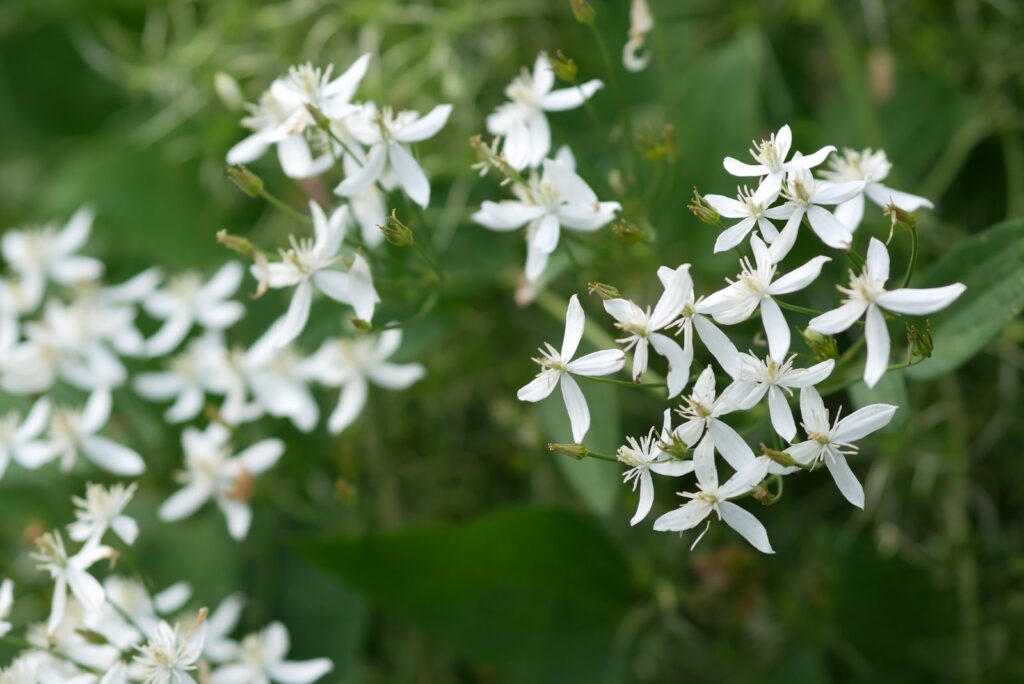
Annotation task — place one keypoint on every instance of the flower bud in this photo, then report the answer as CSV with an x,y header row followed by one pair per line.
x,y
898,217
576,451
244,247
780,457
700,208
319,118
564,67
360,325
227,90
396,232
677,448
583,11
628,231
247,181
604,291
823,347
920,342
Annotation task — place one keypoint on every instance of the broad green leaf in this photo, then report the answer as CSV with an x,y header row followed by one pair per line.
x,y
597,482
991,264
534,593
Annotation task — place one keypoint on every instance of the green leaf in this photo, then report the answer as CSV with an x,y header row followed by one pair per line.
x,y
535,593
597,482
991,264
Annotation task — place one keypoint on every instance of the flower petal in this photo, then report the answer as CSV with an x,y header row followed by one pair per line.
x,y
877,338
576,406
920,301
838,320
598,363
847,482
749,527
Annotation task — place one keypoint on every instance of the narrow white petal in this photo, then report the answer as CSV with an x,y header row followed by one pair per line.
x,y
540,387
781,415
847,482
775,328
350,405
570,98
427,126
749,527
838,320
686,517
799,277
646,498
410,174
920,301
863,422
112,456
598,363
730,445
574,322
877,338
877,260
576,406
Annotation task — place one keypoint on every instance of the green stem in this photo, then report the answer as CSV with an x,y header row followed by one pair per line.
x,y
797,308
283,206
601,457
913,256
627,121
624,383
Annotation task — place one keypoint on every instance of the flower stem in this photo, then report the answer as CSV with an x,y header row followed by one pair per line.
x,y
624,383
797,308
913,256
601,457
283,206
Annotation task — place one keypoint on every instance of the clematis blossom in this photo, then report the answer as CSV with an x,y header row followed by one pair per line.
x,y
772,165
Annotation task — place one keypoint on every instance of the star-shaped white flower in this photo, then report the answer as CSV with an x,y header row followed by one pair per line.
x,y
213,472
833,442
750,214
170,654
872,167
703,412
73,432
712,498
309,265
522,121
866,296
645,456
41,254
558,367
260,659
70,573
19,439
281,117
186,300
388,136
547,203
756,287
758,377
642,330
772,166
189,376
807,196
102,509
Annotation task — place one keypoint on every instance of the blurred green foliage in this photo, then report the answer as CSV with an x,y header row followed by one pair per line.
x,y
393,549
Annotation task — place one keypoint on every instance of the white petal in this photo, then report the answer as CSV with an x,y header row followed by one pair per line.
x,y
838,320
727,206
350,405
640,359
295,318
829,192
847,482
646,498
863,422
570,98
737,168
183,502
812,410
540,387
802,377
768,190
811,160
126,528
686,517
261,456
730,445
576,406
571,188
305,672
297,159
799,277
427,126
670,304
624,311
851,212
704,463
410,175
396,376
679,361
238,516
781,415
507,214
775,328
112,456
920,301
783,244
734,235
877,260
882,196
574,322
546,236
35,422
96,412
249,149
827,227
877,337
745,478
749,527
718,344
598,363
86,589
358,183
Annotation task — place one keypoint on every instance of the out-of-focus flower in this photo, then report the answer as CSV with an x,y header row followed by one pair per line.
x,y
871,167
260,658
866,296
640,24
70,573
187,300
388,135
558,367
170,654
213,472
833,442
522,121
41,254
19,439
101,509
73,432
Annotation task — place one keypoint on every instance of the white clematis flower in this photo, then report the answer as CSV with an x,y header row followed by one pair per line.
x,y
807,196
70,573
279,382
387,136
772,166
355,364
758,377
136,614
522,121
749,212
281,117
260,659
703,412
19,439
558,367
643,326
756,287
219,647
189,376
871,167
833,442
41,254
308,266
73,432
102,509
640,24
213,472
559,198
866,296
644,456
187,300
712,498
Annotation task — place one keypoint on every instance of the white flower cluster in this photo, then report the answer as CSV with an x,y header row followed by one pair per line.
x,y
59,325
116,631
787,191
552,196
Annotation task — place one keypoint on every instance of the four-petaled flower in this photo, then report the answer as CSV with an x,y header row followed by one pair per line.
x,y
759,377
645,456
772,166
